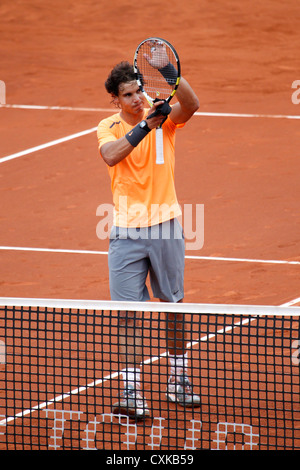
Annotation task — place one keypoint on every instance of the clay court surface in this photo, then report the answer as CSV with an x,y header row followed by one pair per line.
x,y
238,156
240,57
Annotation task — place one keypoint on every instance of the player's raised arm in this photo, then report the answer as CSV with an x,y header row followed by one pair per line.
x,y
115,151
168,67
187,105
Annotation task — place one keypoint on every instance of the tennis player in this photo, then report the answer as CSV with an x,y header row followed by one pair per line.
x,y
146,236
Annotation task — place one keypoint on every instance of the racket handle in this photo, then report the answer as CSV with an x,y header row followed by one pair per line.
x,y
159,146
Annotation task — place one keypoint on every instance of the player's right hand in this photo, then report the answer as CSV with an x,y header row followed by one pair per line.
x,y
157,120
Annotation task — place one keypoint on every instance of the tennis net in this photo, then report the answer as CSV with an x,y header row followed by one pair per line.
x,y
60,376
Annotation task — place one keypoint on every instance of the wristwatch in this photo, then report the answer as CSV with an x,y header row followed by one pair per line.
x,y
144,126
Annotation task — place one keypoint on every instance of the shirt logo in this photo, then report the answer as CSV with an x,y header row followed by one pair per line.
x,y
117,122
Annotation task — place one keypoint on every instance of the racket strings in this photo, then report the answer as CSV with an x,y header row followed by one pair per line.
x,y
154,83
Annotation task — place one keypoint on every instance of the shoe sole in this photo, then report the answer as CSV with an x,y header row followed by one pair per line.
x,y
131,412
172,398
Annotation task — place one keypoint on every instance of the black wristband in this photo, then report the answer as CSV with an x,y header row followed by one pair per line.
x,y
169,73
163,109
137,134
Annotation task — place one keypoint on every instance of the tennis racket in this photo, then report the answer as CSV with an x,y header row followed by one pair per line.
x,y
157,71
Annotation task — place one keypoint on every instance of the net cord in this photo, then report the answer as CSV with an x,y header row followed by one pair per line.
x,y
150,306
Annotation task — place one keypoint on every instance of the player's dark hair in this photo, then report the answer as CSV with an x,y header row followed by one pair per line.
x,y
121,73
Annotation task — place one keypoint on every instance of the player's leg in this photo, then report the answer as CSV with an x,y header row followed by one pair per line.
x,y
130,348
131,401
128,270
179,388
167,281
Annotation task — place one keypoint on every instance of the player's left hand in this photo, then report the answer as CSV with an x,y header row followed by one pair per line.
x,y
159,57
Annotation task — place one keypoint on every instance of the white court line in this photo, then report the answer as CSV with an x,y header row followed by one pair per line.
x,y
46,145
245,115
88,131
101,110
52,250
116,374
291,302
91,252
54,108
243,260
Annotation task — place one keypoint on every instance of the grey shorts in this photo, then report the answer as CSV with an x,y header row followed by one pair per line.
x,y
135,252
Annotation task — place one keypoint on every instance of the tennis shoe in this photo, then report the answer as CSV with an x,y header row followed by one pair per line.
x,y
132,404
180,391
